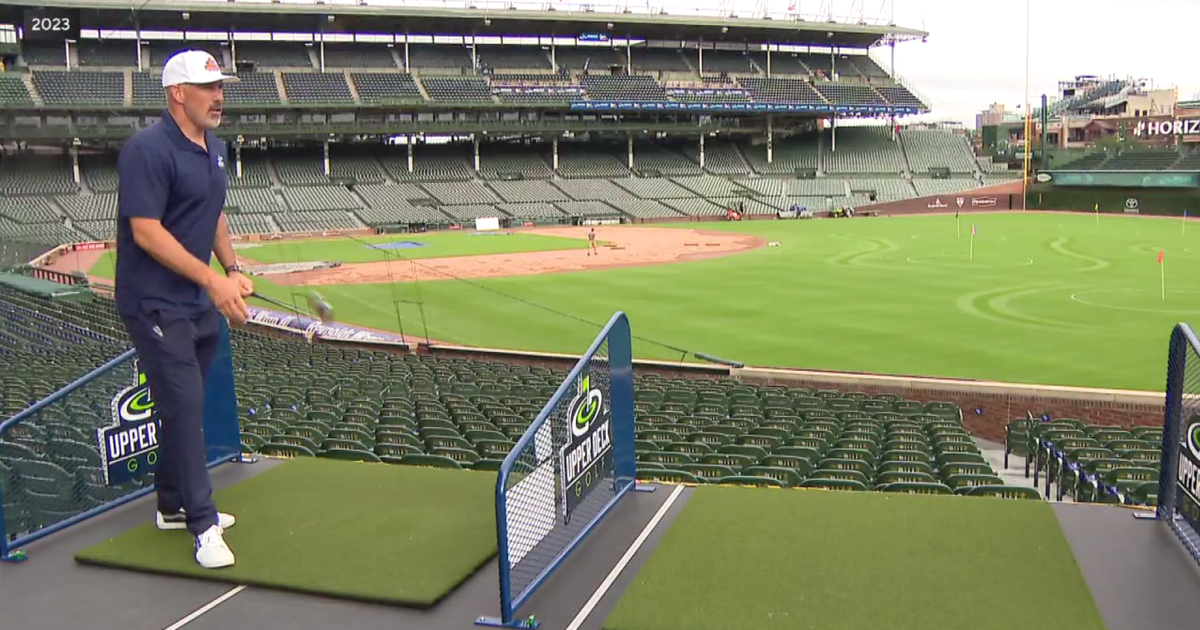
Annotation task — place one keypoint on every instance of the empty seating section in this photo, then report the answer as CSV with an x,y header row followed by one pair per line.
x,y
161,51
255,173
660,60
395,203
148,89
113,53
98,230
430,163
623,88
457,89
527,191
850,94
789,155
44,53
709,186
593,190
316,221
1089,162
936,148
695,207
274,54
513,58
1145,160
885,189
65,88
461,193
344,55
500,161
316,87
28,210
429,56
49,234
247,224
99,172
253,88
645,209
1189,162
863,150
301,169
363,169
596,59
733,62
784,63
311,198
867,67
13,90
775,90
708,94
988,166
252,201
587,209
35,175
380,87
719,156
90,207
532,211
649,156
788,188
654,188
538,94
942,186
899,96
575,160
821,64
470,212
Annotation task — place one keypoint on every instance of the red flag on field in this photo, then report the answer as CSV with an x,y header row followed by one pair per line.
x,y
1160,256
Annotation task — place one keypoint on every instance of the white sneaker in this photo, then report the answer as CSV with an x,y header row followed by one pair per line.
x,y
211,550
178,520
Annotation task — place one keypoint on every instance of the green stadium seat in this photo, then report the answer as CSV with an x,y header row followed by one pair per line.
x,y
904,487
1005,492
746,480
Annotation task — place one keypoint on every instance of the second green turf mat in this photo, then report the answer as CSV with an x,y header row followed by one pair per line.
x,y
771,559
377,532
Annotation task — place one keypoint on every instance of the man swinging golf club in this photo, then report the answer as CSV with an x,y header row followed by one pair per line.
x,y
171,192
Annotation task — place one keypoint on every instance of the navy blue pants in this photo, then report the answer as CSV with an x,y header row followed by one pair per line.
x,y
175,351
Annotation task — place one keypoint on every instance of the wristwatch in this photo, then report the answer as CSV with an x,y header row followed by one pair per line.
x,y
233,268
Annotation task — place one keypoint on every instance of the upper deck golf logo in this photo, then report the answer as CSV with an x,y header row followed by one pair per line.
x,y
587,455
129,446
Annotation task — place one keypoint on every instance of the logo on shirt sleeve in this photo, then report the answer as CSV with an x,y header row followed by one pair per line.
x,y
220,161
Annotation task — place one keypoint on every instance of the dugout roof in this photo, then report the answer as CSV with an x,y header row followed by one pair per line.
x,y
161,15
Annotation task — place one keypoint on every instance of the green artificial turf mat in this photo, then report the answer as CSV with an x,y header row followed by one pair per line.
x,y
378,532
766,559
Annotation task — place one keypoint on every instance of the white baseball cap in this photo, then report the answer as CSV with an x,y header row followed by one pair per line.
x,y
194,66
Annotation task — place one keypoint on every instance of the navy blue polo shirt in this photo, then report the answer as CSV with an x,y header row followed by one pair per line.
x,y
165,176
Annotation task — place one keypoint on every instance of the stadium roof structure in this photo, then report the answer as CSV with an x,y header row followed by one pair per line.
x,y
365,17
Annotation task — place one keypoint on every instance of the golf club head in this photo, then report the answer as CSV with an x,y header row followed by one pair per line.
x,y
320,307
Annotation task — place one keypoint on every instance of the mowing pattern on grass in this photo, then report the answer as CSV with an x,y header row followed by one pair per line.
x,y
763,559
394,534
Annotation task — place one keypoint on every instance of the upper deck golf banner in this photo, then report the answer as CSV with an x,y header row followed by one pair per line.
x,y
129,445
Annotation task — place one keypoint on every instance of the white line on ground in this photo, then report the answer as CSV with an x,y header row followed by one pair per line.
x,y
629,553
207,607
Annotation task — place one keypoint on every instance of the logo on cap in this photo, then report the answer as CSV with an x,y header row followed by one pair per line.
x,y
211,65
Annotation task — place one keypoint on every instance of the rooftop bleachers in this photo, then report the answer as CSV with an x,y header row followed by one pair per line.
x,y
316,221
1143,160
863,150
275,54
623,88
380,87
776,90
348,55
316,87
313,198
1088,162
79,87
457,89
492,57
937,148
13,90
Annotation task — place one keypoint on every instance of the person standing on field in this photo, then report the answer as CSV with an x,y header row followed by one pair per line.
x,y
172,185
592,242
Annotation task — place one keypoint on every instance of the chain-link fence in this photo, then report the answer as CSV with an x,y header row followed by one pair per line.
x,y
1179,483
568,469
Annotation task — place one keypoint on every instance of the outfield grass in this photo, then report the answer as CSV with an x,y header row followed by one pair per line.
x,y
433,245
768,559
1048,298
